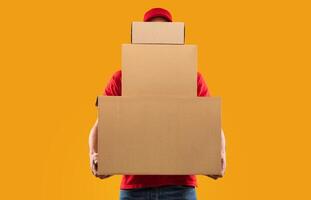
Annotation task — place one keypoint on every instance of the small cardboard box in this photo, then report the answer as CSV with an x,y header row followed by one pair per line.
x,y
158,33
159,135
159,70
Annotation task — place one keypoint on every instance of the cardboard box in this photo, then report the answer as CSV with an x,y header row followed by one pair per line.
x,y
159,135
158,33
159,70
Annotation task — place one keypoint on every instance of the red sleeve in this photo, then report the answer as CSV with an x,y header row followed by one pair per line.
x,y
114,86
202,89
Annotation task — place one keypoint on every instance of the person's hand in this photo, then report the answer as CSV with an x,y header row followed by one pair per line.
x,y
215,177
223,158
94,166
223,168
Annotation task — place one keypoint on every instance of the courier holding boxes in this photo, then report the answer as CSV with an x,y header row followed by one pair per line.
x,y
159,126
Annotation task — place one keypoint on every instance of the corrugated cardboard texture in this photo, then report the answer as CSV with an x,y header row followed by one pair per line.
x,y
159,70
159,135
158,33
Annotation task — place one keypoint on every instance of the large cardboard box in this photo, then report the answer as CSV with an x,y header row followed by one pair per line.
x,y
159,70
159,135
158,33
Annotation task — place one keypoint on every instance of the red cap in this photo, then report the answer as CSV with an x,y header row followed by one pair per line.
x,y
157,12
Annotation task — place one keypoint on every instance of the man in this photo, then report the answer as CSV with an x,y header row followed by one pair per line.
x,y
151,186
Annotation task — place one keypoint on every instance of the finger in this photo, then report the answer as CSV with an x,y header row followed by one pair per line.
x,y
94,155
213,176
95,158
96,165
103,176
94,171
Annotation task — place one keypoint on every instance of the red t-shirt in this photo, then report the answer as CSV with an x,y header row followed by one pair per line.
x,y
114,88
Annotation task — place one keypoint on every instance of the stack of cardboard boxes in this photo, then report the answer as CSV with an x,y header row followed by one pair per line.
x,y
159,126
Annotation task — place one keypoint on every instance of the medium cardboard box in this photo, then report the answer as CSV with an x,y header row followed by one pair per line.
x,y
159,135
158,33
159,70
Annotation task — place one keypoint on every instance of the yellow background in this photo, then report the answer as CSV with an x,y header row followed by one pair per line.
x,y
57,56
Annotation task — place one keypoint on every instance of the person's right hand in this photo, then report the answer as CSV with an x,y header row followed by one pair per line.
x,y
94,166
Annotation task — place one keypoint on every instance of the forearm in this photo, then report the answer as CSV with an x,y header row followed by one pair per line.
x,y
223,152
93,139
223,143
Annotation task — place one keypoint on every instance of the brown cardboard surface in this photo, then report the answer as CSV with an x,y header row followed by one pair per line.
x,y
160,135
158,33
159,70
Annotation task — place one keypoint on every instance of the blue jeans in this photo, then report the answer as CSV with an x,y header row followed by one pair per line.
x,y
174,192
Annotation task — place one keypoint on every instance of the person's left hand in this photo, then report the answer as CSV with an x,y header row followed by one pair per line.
x,y
223,160
223,167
